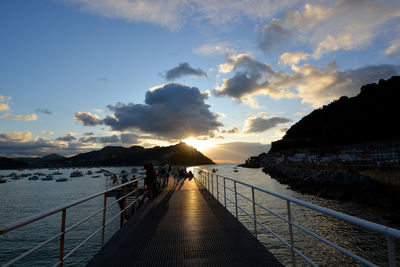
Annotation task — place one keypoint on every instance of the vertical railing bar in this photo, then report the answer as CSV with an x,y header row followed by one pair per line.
x,y
212,183
62,237
391,251
236,208
123,208
217,188
224,193
291,232
103,223
254,212
208,181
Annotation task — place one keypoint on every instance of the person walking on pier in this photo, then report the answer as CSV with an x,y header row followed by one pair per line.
x,y
175,173
150,180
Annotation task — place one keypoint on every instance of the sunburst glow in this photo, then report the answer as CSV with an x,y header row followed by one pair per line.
x,y
201,145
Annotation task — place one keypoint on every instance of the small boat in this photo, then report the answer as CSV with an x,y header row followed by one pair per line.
x,y
57,173
76,174
96,176
214,170
123,172
235,170
33,178
63,179
48,177
2,181
89,173
134,170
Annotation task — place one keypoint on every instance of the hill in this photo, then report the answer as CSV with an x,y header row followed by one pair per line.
x,y
116,156
371,116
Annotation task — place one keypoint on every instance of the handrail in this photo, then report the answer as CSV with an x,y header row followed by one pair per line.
x,y
389,232
8,227
30,219
345,217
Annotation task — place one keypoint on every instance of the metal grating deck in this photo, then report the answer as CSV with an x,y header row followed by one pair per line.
x,y
183,226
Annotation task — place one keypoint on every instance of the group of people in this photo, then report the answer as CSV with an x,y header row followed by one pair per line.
x,y
157,178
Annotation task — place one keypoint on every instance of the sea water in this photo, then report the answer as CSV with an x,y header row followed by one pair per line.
x,y
22,198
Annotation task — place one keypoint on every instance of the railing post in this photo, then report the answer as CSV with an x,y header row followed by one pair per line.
x,y
254,212
63,218
123,208
103,223
217,188
391,252
236,208
212,183
291,232
137,196
224,193
208,181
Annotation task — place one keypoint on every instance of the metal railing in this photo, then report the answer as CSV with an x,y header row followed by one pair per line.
x,y
132,185
204,177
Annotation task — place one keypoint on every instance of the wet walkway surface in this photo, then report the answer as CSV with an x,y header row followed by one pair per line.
x,y
183,226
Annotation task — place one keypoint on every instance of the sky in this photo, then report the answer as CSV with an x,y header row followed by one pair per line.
x,y
226,76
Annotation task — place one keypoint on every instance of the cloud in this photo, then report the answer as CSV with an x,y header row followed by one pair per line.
x,y
14,144
293,58
233,130
283,130
5,98
88,133
183,69
175,13
345,25
313,85
44,111
171,111
394,49
4,107
222,48
260,123
127,138
47,132
100,139
29,117
251,78
299,114
67,137
98,110
236,151
87,118
272,35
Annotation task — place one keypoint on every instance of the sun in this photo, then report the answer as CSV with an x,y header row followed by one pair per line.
x,y
200,145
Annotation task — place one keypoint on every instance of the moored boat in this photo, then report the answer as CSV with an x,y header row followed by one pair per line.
x,y
2,181
33,178
76,174
48,177
62,179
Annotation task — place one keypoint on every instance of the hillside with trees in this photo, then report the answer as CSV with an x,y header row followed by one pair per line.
x,y
371,116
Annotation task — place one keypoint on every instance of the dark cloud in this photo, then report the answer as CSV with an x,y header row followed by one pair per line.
x,y
182,70
283,130
259,124
100,139
236,151
17,144
272,35
66,138
172,111
44,111
251,77
129,138
233,130
87,118
88,133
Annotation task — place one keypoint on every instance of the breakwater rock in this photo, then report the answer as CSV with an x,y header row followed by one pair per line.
x,y
340,186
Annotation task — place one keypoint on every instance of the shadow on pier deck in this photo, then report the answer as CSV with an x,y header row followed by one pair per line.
x,y
183,226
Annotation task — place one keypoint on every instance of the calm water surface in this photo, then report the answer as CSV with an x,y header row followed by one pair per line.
x,y
21,198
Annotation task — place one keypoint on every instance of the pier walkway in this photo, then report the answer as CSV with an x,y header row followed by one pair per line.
x,y
183,226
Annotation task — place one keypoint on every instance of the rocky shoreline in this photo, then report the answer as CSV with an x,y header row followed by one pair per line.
x,y
340,186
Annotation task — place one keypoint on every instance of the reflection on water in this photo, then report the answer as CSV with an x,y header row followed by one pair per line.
x,y
368,245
